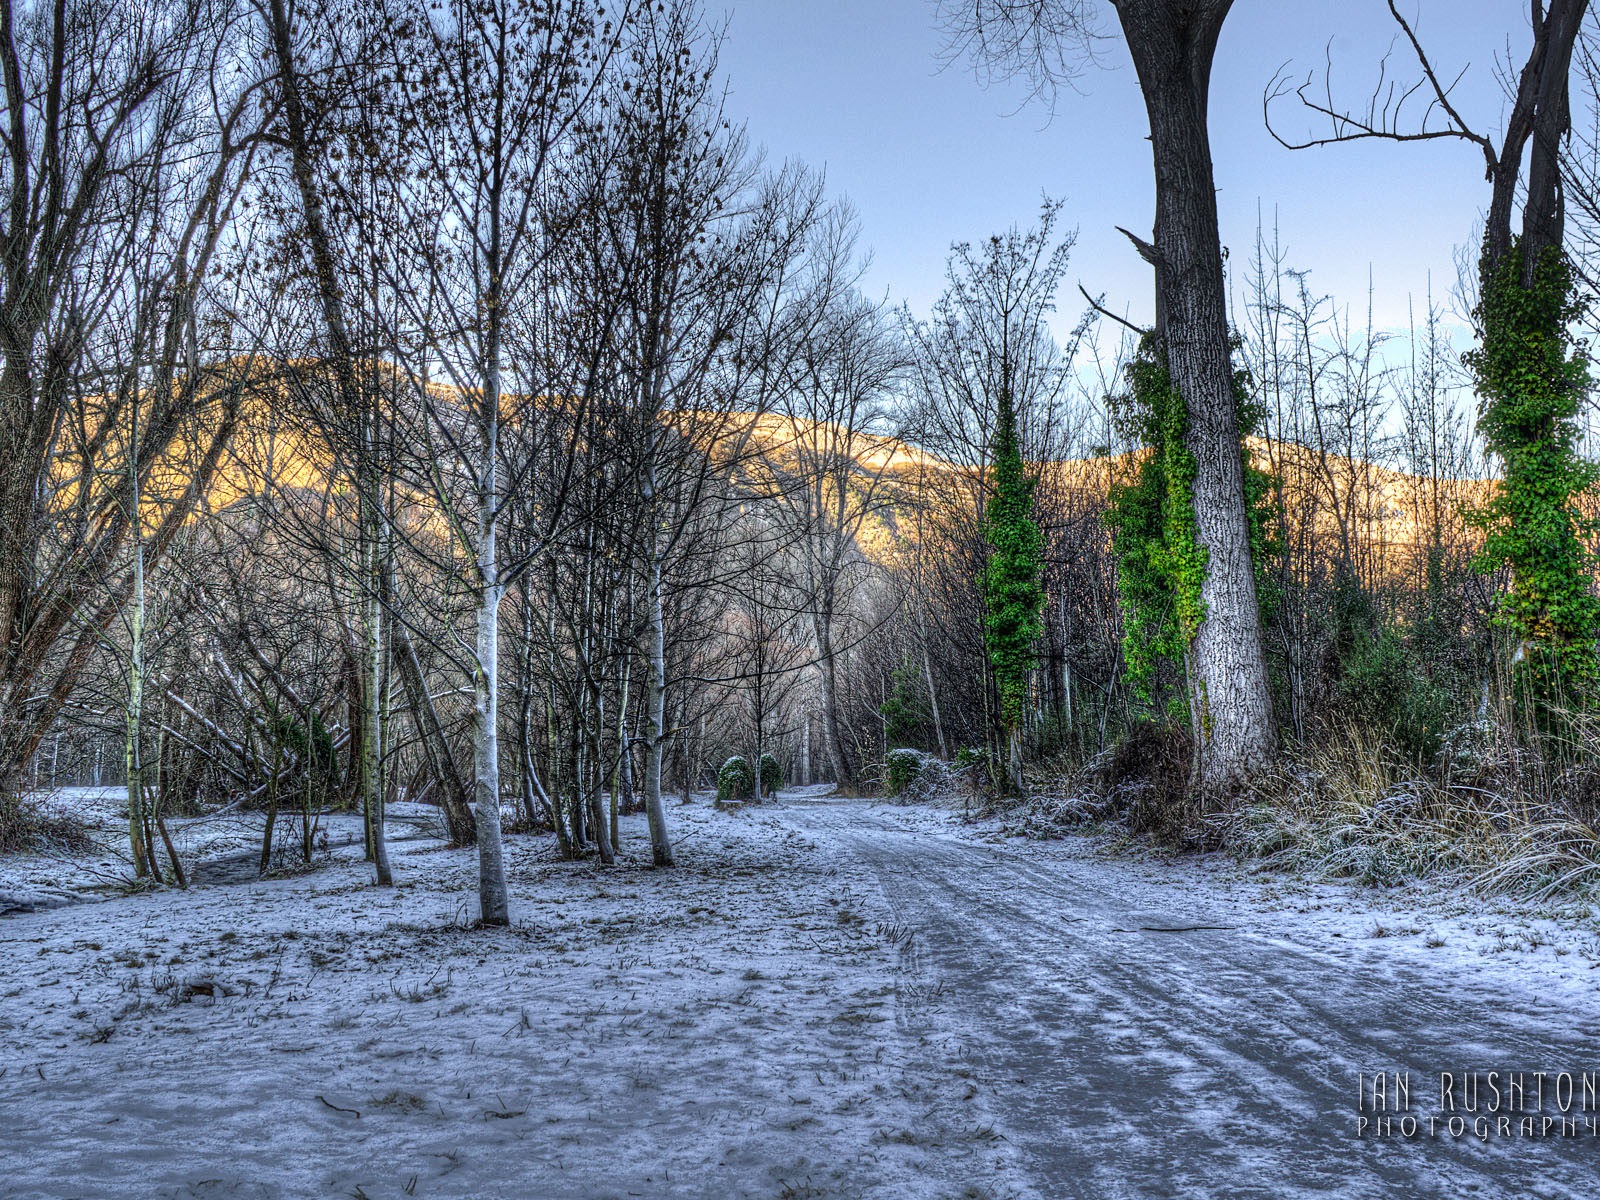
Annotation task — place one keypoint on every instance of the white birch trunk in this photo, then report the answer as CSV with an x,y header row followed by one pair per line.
x,y
492,894
655,751
372,712
143,860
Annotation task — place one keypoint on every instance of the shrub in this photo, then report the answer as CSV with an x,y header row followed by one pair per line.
x,y
25,825
771,774
1386,685
970,756
904,765
913,776
735,780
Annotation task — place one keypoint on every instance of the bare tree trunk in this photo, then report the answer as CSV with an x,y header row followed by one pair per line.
x,y
372,710
272,804
656,746
143,855
1173,45
1014,758
805,751
933,698
492,894
178,875
832,735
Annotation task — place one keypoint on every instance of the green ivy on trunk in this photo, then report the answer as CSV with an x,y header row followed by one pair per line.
x,y
1532,377
1160,562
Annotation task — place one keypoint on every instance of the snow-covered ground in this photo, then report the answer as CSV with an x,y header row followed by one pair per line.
x,y
221,846
826,999
726,1029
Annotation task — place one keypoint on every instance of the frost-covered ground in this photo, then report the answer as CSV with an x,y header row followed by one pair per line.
x,y
828,999
220,847
1177,1029
723,1030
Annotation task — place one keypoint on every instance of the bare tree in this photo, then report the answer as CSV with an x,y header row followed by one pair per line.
x,y
495,95
121,164
829,466
692,250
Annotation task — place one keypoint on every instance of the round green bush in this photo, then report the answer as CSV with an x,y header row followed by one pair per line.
x,y
735,780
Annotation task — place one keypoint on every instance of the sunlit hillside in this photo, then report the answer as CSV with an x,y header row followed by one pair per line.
x,y
1382,515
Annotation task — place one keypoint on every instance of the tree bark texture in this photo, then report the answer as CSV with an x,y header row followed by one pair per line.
x,y
1173,43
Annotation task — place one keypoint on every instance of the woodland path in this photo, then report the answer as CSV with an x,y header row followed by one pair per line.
x,y
1129,1061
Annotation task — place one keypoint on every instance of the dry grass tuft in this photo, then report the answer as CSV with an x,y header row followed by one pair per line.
x,y
1498,817
1501,814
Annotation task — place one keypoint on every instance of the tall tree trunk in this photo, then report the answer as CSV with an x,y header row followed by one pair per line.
x,y
656,746
492,894
832,735
372,710
933,698
143,853
1173,45
272,804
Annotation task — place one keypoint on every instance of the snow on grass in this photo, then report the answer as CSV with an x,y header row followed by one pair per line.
x,y
724,1029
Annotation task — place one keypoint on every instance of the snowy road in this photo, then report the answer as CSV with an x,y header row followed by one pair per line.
x,y
1129,1062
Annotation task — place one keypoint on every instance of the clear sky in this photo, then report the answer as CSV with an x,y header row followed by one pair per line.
x,y
929,157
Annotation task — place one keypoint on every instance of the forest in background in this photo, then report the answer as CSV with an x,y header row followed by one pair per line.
x,y
449,403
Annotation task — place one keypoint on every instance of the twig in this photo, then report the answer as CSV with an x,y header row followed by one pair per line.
x,y
1106,312
336,1108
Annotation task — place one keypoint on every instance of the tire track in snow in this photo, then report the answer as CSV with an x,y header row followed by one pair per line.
x,y
1206,1063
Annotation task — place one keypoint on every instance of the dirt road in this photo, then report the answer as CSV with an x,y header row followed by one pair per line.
x,y
1131,1055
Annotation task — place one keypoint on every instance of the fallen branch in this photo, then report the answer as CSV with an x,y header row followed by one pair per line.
x,y
1171,928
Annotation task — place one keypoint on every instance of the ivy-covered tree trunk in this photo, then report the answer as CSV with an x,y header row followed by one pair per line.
x,y
1173,45
1532,378
1161,565
1012,589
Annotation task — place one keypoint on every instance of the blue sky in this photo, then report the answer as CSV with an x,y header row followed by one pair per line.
x,y
928,157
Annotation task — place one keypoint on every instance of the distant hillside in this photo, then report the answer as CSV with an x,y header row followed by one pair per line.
x,y
1384,515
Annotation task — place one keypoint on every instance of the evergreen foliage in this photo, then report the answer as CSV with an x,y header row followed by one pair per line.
x,y
1160,562
907,714
771,774
1532,377
1013,591
735,779
904,765
311,742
